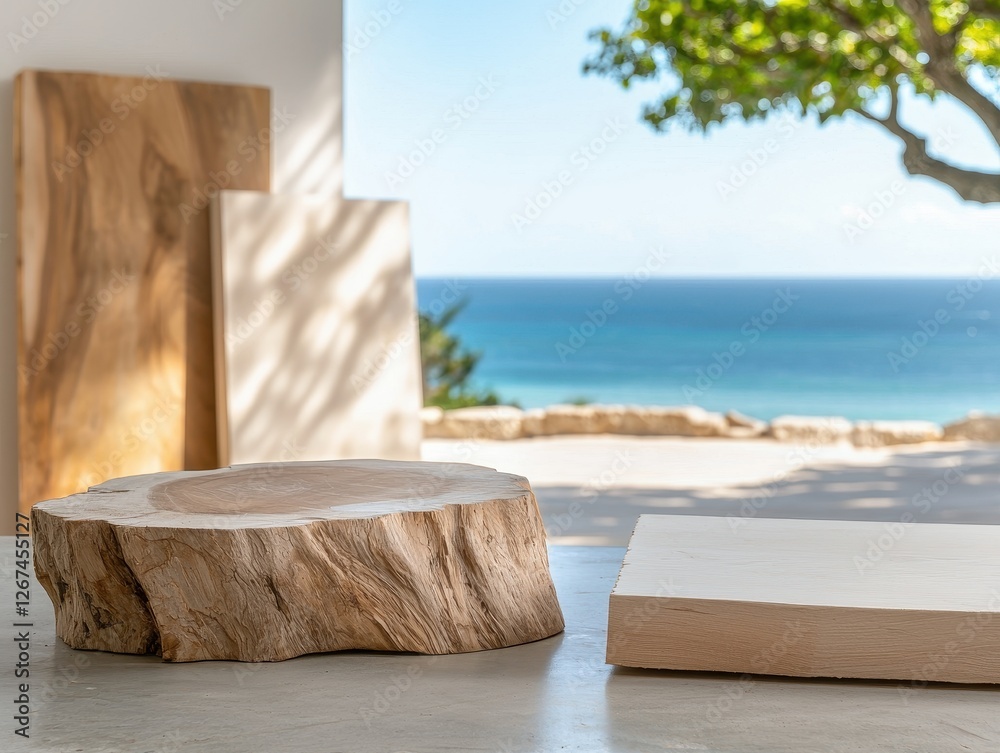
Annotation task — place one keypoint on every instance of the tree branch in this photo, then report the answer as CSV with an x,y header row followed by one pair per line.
x,y
852,23
982,9
934,44
971,185
950,79
941,68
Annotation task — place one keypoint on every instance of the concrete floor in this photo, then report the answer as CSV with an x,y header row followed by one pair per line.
x,y
591,489
554,695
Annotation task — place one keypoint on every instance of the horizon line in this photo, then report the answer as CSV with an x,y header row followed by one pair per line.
x,y
713,278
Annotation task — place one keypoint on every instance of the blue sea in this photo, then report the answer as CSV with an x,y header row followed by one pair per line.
x,y
864,349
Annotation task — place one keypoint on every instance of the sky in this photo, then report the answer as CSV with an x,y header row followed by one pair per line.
x,y
515,164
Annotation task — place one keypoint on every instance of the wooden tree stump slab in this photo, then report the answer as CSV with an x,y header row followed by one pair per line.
x,y
268,562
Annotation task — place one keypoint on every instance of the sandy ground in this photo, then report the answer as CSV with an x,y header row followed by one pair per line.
x,y
591,489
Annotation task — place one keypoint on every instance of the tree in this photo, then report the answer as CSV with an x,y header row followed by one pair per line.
x,y
747,58
447,365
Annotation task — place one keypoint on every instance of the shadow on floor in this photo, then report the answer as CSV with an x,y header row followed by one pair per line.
x,y
941,486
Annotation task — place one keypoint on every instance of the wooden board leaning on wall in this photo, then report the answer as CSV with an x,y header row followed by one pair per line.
x,y
115,344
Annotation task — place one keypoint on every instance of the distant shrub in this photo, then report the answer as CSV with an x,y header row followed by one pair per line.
x,y
447,365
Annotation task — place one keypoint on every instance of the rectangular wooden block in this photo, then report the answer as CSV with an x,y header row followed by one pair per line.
x,y
115,344
812,598
316,330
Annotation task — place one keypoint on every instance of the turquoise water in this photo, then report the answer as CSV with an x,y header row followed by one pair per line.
x,y
876,349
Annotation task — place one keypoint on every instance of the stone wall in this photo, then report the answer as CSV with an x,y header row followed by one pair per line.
x,y
506,422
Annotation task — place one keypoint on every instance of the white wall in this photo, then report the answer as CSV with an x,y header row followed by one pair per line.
x,y
292,46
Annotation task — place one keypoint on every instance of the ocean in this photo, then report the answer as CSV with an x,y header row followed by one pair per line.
x,y
863,349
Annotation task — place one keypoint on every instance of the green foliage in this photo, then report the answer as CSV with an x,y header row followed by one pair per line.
x,y
447,366
579,400
746,58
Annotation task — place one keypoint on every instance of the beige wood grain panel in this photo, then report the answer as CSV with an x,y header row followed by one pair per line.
x,y
267,562
116,364
917,602
316,329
